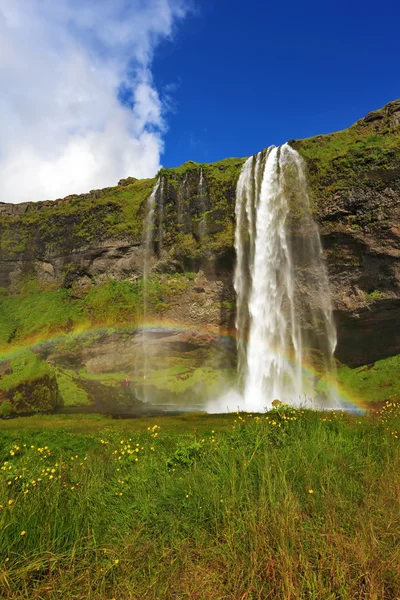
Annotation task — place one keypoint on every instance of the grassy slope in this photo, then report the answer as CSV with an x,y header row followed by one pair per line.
x,y
361,156
38,313
296,505
373,383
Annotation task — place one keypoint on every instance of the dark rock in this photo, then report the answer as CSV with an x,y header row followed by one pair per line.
x,y
374,116
168,266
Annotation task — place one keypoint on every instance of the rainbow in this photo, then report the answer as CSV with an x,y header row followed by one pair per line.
x,y
349,403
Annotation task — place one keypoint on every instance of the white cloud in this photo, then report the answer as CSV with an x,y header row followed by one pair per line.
x,y
62,64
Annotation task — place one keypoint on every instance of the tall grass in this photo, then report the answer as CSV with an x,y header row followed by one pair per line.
x,y
293,504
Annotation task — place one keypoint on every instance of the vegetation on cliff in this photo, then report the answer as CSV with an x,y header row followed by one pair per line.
x,y
366,156
39,313
75,221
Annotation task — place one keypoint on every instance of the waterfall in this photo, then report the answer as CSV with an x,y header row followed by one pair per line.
x,y
148,241
202,194
285,331
161,185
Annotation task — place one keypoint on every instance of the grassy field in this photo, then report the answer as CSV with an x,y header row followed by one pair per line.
x,y
284,505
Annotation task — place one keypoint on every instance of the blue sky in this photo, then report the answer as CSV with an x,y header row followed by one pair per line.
x,y
250,74
97,90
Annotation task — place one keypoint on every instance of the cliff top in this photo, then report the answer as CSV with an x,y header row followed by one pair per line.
x,y
380,123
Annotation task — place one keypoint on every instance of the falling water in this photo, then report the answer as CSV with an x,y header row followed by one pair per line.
x,y
202,205
284,316
148,240
161,186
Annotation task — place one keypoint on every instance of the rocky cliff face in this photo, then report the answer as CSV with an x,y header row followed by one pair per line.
x,y
77,262
355,182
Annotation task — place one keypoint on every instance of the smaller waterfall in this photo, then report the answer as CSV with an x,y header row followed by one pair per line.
x,y
161,187
202,194
285,333
183,196
148,241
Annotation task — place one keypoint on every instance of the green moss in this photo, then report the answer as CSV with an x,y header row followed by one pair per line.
x,y
375,295
38,313
362,156
70,391
75,220
25,367
372,383
183,216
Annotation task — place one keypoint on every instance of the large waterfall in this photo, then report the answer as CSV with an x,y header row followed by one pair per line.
x,y
286,335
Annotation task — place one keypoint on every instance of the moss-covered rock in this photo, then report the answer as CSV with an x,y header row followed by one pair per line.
x,y
28,384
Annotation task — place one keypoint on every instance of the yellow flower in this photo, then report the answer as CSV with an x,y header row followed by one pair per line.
x,y
116,561
23,532
310,491
11,501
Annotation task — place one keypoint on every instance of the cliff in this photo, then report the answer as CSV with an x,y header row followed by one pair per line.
x,y
76,263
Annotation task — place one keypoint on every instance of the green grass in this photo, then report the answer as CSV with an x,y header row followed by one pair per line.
x,y
373,383
292,504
